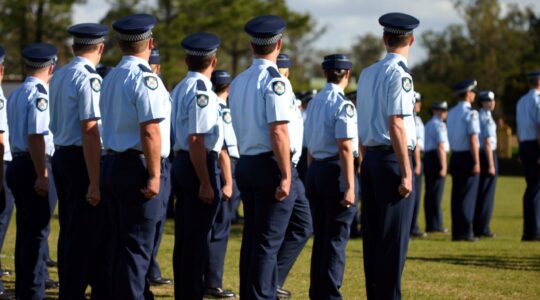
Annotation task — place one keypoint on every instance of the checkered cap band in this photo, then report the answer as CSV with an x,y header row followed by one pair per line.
x,y
40,64
266,41
397,31
200,53
88,41
135,37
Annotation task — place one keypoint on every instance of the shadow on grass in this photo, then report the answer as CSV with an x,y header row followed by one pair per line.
x,y
495,262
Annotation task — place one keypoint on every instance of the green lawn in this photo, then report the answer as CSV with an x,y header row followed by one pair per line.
x,y
436,268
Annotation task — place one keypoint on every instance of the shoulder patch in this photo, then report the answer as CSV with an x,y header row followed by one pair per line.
x,y
227,118
404,67
201,86
145,68
279,87
95,83
406,83
151,82
2,104
273,72
90,69
42,104
41,89
349,110
202,100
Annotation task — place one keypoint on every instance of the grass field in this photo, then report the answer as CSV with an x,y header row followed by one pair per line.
x,y
436,268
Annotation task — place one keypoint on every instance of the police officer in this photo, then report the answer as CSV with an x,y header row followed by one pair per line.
x,y
435,166
300,225
219,236
528,120
198,144
261,103
331,126
6,197
74,111
27,175
417,165
465,162
489,166
135,111
388,138
154,274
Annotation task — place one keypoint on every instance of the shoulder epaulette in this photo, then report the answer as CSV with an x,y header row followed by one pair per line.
x,y
273,72
41,89
201,86
405,68
145,68
90,69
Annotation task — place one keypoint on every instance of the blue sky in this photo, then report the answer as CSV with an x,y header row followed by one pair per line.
x,y
345,19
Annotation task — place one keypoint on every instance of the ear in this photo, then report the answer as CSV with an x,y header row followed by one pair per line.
x,y
101,48
279,45
411,41
214,62
50,71
151,44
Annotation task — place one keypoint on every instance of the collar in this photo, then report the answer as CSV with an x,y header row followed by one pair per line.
x,y
435,117
334,87
264,62
395,56
134,60
84,60
200,76
222,101
35,81
465,103
486,111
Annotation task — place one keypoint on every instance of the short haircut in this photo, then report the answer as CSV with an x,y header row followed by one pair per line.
x,y
534,81
130,48
263,49
462,95
335,76
220,88
397,40
198,63
79,49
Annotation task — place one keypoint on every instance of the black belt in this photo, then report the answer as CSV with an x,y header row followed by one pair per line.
x,y
212,154
327,159
20,154
70,147
383,148
127,152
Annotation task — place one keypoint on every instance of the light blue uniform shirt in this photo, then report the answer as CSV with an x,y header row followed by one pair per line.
x,y
435,134
528,116
330,116
228,130
462,123
196,111
488,129
419,132
28,113
74,98
4,125
259,96
385,89
131,95
296,133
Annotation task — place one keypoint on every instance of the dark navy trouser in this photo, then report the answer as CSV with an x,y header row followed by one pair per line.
x,y
32,219
417,193
529,154
7,202
486,196
331,228
298,231
213,277
464,193
164,196
434,192
266,221
387,218
190,256
133,221
82,228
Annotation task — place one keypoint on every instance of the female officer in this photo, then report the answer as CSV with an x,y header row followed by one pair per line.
x,y
331,126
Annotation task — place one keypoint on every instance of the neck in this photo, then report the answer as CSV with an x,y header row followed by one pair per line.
x,y
145,55
207,73
94,57
536,88
223,96
43,76
403,51
271,57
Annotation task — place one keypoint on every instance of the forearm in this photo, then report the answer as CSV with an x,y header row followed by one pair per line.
x,y
347,162
36,148
475,148
399,144
417,156
197,154
279,136
442,156
489,154
151,145
92,153
225,166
